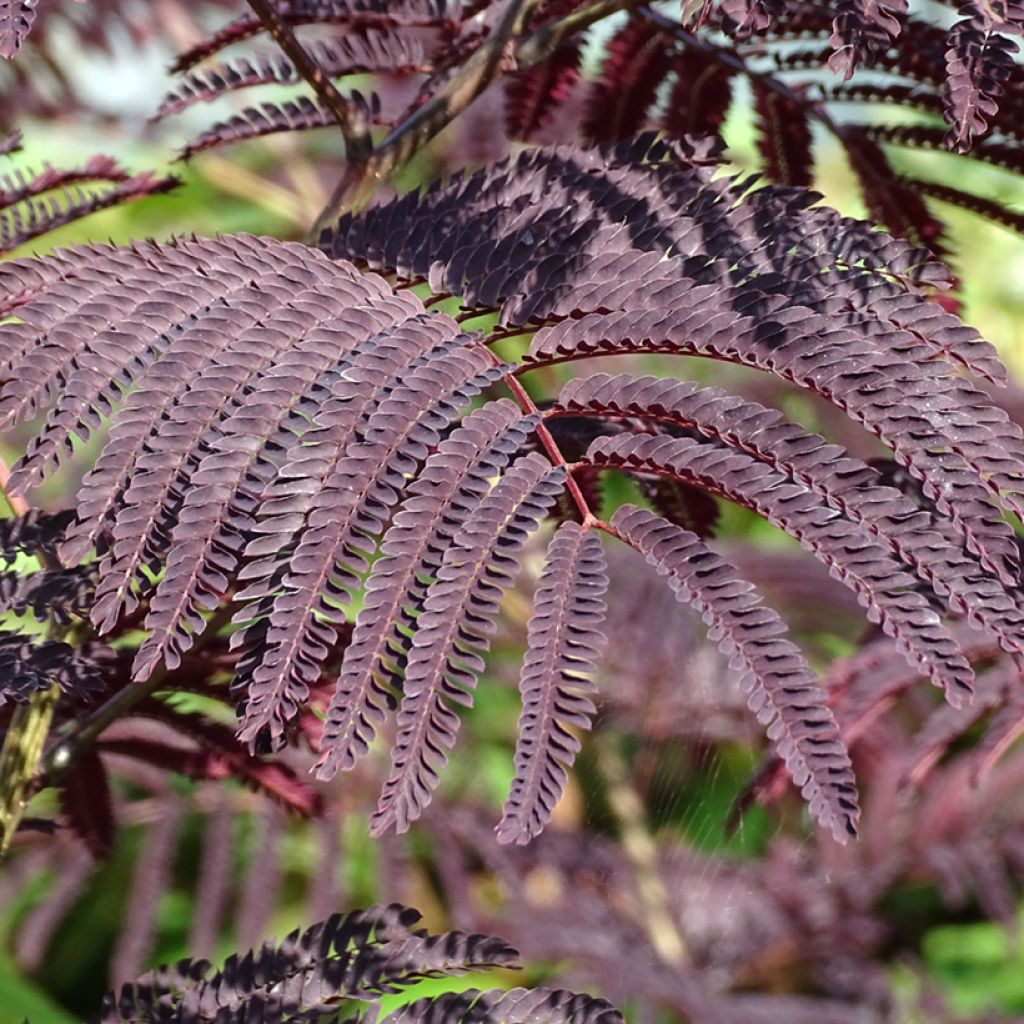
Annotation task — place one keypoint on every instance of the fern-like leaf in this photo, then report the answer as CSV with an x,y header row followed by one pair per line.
x,y
298,115
639,57
1008,155
993,211
784,138
28,667
979,62
34,533
850,553
844,483
700,97
454,481
564,641
366,481
891,200
862,30
539,1006
60,594
452,633
355,55
32,206
361,955
280,414
357,17
532,95
784,694
86,804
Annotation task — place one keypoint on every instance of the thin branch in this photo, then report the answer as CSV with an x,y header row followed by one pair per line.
x,y
96,722
642,853
354,129
360,181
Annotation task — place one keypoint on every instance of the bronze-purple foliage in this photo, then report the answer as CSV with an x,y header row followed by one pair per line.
x,y
283,403
349,960
319,444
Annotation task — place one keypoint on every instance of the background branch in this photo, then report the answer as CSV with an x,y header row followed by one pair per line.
x,y
354,129
360,181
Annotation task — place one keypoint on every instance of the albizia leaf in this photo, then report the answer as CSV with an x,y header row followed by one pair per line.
x,y
34,214
361,955
532,95
701,96
979,61
539,1006
862,30
291,422
989,208
57,594
298,115
454,480
744,17
355,16
846,484
365,481
891,200
352,55
28,665
784,137
784,694
564,639
851,554
947,724
34,533
453,632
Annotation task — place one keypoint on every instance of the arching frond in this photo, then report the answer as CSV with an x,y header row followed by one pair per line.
x,y
783,691
292,435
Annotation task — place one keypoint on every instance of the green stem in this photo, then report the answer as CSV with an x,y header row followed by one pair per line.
x,y
30,723
19,759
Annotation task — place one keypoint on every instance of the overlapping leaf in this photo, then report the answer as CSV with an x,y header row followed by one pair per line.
x,y
32,203
359,956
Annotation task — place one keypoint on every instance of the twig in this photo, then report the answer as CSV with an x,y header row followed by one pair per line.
x,y
69,747
360,181
354,129
642,853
